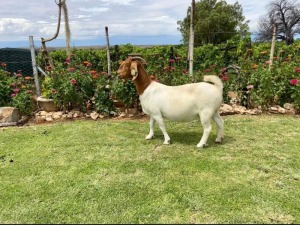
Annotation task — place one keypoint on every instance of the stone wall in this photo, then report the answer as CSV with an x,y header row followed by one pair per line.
x,y
44,116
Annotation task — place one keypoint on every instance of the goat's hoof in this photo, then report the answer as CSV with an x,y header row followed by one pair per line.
x,y
149,137
202,145
219,140
167,142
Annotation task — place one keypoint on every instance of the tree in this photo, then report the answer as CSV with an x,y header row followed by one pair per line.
x,y
62,6
285,15
215,21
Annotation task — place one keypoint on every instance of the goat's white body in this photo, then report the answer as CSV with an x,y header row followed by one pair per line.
x,y
180,103
184,103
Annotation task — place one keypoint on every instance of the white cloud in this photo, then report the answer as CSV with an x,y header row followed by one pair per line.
x,y
118,2
253,10
88,18
93,10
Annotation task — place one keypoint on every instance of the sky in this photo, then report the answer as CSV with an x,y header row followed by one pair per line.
x,y
138,22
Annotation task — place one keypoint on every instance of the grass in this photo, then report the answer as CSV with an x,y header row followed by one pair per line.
x,y
105,172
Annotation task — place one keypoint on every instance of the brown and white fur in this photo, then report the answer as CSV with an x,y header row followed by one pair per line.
x,y
177,103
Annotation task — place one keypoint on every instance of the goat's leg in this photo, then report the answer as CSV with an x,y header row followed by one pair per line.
x,y
151,133
205,121
220,123
162,127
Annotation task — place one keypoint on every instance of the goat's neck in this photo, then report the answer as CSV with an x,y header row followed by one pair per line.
x,y
142,81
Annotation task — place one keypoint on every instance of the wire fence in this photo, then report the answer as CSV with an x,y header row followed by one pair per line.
x,y
16,60
19,59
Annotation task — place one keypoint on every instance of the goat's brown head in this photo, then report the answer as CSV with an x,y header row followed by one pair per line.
x,y
129,68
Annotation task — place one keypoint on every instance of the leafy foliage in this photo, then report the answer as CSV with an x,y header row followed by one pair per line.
x,y
16,90
82,82
215,22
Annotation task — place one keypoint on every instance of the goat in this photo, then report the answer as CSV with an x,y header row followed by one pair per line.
x,y
183,103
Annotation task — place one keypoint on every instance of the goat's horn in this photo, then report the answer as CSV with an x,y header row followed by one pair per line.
x,y
137,57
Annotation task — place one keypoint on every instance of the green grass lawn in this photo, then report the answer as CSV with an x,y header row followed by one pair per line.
x,y
106,172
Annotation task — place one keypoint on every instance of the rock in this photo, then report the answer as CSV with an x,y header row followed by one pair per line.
x,y
226,109
122,115
49,117
39,119
94,115
46,104
291,112
57,115
253,111
43,113
9,114
281,110
288,106
240,109
273,109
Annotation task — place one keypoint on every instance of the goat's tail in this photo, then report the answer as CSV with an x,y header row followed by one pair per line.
x,y
215,80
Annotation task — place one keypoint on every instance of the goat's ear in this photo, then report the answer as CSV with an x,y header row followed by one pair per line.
x,y
134,70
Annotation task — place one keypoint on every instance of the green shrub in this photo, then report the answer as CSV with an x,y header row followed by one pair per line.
x,y
16,91
255,84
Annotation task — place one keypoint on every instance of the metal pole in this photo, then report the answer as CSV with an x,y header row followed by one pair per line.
x,y
108,53
34,67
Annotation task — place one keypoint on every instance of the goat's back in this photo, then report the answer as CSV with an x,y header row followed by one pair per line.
x,y
183,102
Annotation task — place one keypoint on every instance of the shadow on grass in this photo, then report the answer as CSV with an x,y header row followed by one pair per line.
x,y
192,138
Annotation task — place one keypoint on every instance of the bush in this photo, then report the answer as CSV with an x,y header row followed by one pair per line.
x,y
16,90
78,83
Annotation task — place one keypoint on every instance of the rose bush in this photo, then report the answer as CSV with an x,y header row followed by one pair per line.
x,y
81,81
16,90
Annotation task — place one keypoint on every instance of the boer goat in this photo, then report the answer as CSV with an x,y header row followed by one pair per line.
x,y
176,103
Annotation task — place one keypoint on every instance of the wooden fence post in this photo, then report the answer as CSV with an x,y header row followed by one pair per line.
x,y
272,46
191,40
108,53
34,67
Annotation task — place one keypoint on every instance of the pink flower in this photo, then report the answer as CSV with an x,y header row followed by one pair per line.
x,y
225,78
171,60
87,63
71,69
16,90
297,70
68,60
103,73
92,72
12,85
73,81
13,95
294,82
250,86
223,70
